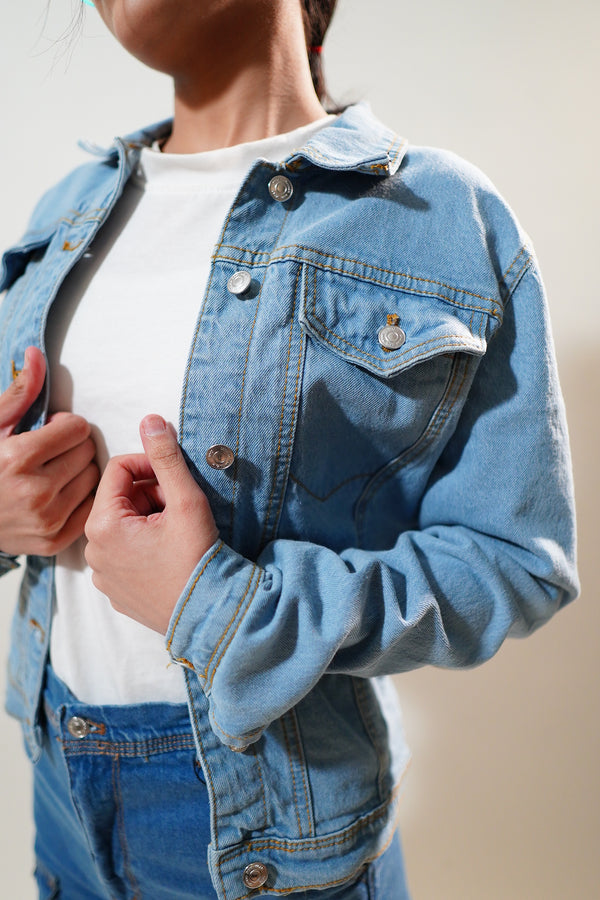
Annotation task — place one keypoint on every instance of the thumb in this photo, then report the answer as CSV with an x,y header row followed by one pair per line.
x,y
167,460
26,387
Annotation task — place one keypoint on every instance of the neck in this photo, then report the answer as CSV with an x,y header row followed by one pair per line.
x,y
256,86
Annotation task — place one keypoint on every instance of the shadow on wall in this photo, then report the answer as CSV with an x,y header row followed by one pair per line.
x,y
502,798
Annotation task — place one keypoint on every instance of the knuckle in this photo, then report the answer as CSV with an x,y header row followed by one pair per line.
x,y
11,455
80,425
50,522
168,457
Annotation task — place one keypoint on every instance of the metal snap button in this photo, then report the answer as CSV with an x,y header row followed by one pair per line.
x,y
239,282
280,188
78,727
391,336
220,457
255,875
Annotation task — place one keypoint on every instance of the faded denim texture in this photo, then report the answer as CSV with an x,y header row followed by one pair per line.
x,y
386,509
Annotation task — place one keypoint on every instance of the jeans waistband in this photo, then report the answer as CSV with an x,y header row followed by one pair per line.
x,y
129,730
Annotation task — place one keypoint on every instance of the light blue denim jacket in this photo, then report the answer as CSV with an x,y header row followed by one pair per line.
x,y
387,508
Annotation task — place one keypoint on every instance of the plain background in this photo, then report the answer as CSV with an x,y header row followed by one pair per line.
x,y
501,801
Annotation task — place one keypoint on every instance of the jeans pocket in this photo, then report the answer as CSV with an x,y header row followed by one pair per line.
x,y
48,886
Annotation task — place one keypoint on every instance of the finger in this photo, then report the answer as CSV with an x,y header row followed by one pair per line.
x,y
62,469
74,527
148,497
120,476
25,388
76,491
167,460
61,433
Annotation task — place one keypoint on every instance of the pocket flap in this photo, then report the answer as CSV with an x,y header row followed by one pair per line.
x,y
14,260
346,315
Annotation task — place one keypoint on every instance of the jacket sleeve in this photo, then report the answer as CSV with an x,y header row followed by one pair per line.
x,y
7,563
493,555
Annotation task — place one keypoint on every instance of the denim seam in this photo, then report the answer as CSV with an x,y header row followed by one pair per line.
x,y
239,417
292,425
287,212
78,223
235,630
186,377
190,592
400,357
523,250
17,293
247,736
283,405
317,843
294,416
303,771
121,827
207,768
321,265
128,749
333,490
358,689
517,277
254,752
435,425
228,626
291,767
396,139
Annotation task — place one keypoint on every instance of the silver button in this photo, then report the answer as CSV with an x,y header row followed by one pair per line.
x,y
391,336
255,875
280,188
220,456
78,727
239,282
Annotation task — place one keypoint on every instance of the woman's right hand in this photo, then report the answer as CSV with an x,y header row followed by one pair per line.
x,y
47,476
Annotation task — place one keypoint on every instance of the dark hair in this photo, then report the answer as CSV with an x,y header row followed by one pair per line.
x,y
317,15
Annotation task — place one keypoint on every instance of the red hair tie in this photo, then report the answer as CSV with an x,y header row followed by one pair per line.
x,y
316,49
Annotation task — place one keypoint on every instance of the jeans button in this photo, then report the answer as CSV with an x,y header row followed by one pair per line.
x,y
255,875
78,727
391,337
280,188
220,456
239,283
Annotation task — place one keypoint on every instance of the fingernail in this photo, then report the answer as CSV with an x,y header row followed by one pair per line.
x,y
154,425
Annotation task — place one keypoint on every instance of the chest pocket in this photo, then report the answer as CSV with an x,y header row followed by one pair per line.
x,y
363,404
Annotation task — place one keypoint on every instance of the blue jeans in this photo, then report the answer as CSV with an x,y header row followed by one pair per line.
x,y
122,811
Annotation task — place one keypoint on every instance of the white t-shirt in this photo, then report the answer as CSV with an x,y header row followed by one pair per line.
x,y
118,339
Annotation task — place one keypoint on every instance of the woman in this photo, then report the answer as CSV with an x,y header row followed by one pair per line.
x,y
351,336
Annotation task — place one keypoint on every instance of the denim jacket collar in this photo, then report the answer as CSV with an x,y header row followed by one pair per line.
x,y
356,141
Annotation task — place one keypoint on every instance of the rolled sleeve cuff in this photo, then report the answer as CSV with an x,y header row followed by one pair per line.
x,y
204,624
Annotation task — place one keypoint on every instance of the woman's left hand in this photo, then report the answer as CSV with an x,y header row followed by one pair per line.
x,y
149,526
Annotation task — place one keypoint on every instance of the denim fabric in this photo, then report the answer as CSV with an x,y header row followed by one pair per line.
x,y
386,509
123,812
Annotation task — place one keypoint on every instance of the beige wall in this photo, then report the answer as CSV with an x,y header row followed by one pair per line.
x,y
501,800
